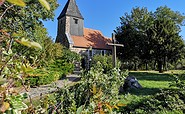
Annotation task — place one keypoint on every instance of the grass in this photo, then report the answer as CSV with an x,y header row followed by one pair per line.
x,y
152,82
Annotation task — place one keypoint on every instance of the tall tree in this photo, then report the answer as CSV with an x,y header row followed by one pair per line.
x,y
149,36
132,33
167,44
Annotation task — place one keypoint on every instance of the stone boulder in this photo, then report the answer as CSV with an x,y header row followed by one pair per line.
x,y
130,83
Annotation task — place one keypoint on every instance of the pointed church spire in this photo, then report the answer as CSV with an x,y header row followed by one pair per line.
x,y
70,9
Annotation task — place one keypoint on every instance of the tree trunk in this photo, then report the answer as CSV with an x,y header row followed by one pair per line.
x,y
154,67
160,66
135,66
165,64
146,66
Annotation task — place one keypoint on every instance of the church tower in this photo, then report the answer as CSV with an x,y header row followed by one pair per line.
x,y
70,23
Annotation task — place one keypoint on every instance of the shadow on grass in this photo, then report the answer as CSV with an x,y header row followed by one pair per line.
x,y
145,91
152,76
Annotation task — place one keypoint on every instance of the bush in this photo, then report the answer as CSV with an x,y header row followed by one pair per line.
x,y
70,56
57,69
166,101
42,77
95,89
65,63
63,66
106,62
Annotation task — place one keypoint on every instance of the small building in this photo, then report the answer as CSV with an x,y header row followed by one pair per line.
x,y
73,35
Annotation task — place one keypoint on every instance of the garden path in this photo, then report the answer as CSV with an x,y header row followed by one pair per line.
x,y
49,88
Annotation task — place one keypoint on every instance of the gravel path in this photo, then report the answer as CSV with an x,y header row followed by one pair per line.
x,y
49,88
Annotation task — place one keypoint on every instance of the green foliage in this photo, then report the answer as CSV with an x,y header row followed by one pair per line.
x,y
17,27
151,37
26,24
109,82
17,2
156,96
61,65
94,88
106,62
90,95
64,63
166,101
25,18
34,81
50,51
12,67
180,64
16,103
179,83
22,3
45,4
29,44
42,77
70,56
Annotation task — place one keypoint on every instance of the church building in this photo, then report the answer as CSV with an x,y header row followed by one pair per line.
x,y
73,35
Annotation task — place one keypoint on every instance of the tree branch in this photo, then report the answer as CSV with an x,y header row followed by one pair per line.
x,y
5,11
5,64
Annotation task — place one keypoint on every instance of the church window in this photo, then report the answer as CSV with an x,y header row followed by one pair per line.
x,y
96,52
76,21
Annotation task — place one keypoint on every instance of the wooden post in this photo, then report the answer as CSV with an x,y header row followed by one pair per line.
x,y
113,44
114,50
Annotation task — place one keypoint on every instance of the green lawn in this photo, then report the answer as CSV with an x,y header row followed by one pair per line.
x,y
152,82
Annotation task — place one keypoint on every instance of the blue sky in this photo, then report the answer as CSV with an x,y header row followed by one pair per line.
x,y
104,15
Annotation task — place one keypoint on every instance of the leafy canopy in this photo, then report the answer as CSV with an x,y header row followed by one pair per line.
x,y
151,36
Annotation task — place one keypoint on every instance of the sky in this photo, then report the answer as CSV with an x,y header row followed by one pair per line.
x,y
104,15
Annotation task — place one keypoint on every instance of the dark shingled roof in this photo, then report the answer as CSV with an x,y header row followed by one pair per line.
x,y
70,9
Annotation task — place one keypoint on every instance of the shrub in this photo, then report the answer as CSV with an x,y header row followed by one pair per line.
x,y
42,77
57,69
63,66
65,63
95,88
70,56
106,62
